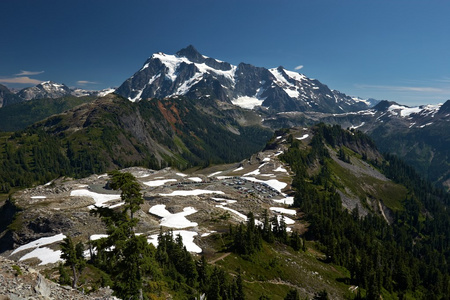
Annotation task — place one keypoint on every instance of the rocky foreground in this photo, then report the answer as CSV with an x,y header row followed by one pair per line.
x,y
18,281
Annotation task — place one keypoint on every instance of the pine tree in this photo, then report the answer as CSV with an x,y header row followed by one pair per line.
x,y
239,295
292,295
296,242
322,295
131,190
73,256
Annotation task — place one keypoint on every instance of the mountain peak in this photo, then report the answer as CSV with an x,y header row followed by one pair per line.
x,y
192,54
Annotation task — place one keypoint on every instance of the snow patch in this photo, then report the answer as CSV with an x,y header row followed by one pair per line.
x,y
188,240
214,174
45,255
247,102
158,182
100,199
40,242
177,220
195,179
287,200
303,137
280,169
274,183
284,210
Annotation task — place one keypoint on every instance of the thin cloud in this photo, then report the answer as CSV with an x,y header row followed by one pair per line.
x,y
299,67
420,89
86,82
28,73
20,80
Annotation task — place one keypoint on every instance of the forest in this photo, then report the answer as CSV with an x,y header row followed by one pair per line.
x,y
408,258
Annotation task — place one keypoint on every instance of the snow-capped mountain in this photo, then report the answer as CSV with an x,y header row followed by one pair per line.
x,y
194,75
403,116
53,90
47,89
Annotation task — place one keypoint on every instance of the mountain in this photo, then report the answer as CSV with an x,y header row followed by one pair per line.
x,y
112,132
7,97
319,210
47,89
419,135
194,75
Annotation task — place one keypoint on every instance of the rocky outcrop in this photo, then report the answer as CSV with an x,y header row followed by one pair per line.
x,y
19,281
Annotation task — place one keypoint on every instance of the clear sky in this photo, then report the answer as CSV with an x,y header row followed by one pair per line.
x,y
384,49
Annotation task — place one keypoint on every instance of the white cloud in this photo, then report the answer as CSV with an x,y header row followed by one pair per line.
x,y
28,73
298,67
420,89
20,80
85,82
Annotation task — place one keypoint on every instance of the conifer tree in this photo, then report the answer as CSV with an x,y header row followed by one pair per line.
x,y
73,256
292,295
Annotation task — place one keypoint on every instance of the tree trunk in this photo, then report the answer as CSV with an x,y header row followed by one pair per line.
x,y
75,277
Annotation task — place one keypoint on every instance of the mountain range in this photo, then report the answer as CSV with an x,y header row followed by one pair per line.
x,y
45,90
327,211
278,97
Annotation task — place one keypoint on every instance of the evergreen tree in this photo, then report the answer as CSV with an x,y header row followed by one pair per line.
x,y
296,242
239,295
131,190
64,278
322,295
73,256
292,295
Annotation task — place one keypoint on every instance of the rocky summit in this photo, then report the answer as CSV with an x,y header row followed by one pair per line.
x,y
194,75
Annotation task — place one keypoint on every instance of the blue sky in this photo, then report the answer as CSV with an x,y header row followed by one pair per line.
x,y
384,49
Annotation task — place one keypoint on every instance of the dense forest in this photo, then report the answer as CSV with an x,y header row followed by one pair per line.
x,y
408,258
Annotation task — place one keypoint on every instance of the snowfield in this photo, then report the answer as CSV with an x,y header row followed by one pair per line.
x,y
45,255
40,242
177,220
247,102
100,199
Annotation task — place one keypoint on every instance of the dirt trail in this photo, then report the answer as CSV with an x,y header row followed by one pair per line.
x,y
219,258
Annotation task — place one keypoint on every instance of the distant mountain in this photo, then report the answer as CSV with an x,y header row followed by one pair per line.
x,y
194,75
47,89
7,97
420,135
